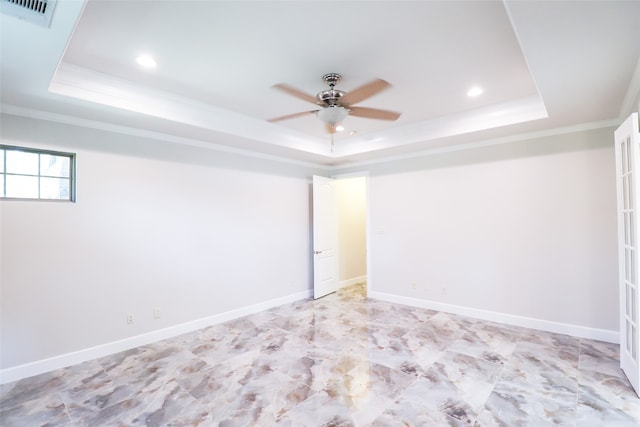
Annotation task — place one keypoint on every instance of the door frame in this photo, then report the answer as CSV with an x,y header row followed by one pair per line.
x,y
365,174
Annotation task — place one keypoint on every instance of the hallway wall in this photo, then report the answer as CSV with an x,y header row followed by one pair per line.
x,y
352,204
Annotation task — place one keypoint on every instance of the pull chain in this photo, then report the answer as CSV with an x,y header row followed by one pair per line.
x,y
332,142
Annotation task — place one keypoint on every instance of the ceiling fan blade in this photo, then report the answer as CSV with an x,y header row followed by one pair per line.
x,y
296,92
373,113
364,92
291,116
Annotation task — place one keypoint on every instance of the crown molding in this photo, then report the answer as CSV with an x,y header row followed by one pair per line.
x,y
486,143
142,133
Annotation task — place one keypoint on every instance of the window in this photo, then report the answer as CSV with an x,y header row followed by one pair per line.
x,y
27,173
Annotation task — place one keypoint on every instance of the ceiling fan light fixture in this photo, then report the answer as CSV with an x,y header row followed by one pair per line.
x,y
332,114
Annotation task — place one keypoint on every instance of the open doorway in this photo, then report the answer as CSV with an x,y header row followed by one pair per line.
x,y
351,197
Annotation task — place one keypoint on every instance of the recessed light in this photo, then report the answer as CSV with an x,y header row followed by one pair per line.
x,y
475,91
146,61
353,132
339,128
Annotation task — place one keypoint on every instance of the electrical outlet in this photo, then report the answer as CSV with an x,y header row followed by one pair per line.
x,y
156,313
129,319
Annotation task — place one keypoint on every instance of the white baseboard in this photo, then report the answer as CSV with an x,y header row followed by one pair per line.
x,y
509,319
64,360
353,281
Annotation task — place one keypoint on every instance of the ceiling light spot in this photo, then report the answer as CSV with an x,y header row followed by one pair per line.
x,y
475,91
146,61
339,128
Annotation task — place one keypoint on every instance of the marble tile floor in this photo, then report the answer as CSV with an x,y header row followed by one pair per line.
x,y
343,360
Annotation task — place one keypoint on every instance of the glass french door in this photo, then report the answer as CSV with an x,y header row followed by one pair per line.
x,y
627,141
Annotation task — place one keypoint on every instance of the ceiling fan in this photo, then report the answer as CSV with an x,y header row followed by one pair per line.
x,y
336,105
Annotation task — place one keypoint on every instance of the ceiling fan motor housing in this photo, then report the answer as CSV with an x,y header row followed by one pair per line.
x,y
330,97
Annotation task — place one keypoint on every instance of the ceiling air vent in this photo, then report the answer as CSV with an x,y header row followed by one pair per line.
x,y
36,11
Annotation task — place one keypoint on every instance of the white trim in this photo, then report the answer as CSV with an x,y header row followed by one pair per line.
x,y
64,360
95,86
631,95
352,281
329,158
14,110
519,110
362,174
334,166
522,49
509,319
481,143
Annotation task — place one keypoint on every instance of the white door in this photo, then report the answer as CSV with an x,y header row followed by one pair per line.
x,y
627,140
325,237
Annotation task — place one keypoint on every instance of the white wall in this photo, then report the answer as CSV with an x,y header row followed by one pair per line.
x,y
516,232
352,228
525,229
192,231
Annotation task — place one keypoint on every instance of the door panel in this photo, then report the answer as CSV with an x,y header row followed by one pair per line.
x,y
627,140
325,237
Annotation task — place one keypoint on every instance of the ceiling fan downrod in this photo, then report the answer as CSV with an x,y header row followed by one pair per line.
x,y
331,79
